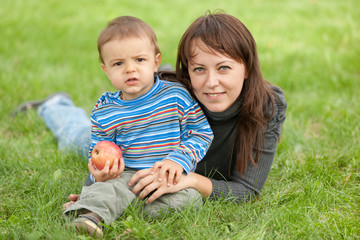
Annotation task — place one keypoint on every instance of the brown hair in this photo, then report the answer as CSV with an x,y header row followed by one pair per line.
x,y
123,27
227,35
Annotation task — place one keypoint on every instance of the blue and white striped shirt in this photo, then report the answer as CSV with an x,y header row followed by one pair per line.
x,y
164,123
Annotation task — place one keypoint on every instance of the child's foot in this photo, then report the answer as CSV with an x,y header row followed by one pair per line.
x,y
88,223
35,104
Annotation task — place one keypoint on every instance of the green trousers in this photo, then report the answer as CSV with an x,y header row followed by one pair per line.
x,y
109,199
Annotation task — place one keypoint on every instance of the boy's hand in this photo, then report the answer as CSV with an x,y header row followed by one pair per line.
x,y
106,173
173,169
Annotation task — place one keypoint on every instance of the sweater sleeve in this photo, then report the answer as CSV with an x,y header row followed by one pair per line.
x,y
249,185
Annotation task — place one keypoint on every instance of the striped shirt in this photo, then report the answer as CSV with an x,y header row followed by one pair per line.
x,y
164,123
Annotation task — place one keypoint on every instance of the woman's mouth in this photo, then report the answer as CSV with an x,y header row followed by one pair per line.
x,y
214,95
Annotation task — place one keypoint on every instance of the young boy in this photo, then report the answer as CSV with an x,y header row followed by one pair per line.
x,y
151,120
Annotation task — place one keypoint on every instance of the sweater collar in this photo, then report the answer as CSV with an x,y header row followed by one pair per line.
x,y
229,113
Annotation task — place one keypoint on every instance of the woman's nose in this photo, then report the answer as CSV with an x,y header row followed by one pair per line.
x,y
212,80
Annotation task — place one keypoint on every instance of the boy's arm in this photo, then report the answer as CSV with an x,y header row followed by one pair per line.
x,y
99,134
196,136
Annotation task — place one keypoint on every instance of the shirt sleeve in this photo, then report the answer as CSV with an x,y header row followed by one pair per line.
x,y
249,185
196,136
97,134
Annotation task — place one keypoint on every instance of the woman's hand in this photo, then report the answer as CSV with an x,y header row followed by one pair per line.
x,y
106,173
148,183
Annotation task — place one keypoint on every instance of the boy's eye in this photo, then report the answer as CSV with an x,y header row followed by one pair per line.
x,y
118,64
140,59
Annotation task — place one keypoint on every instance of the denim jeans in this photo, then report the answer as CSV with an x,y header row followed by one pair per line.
x,y
70,124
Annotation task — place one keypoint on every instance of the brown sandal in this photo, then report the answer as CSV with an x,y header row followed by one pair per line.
x,y
89,223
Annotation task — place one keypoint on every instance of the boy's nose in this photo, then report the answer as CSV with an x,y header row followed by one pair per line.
x,y
130,67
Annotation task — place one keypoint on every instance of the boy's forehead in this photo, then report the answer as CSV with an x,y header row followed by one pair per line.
x,y
127,47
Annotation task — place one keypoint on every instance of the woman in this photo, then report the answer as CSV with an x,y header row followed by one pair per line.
x,y
217,61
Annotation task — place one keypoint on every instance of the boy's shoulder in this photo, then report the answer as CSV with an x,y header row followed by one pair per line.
x,y
174,86
106,98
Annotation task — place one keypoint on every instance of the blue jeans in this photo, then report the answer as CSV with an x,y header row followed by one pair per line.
x,y
70,124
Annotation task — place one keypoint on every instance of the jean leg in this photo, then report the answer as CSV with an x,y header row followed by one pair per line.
x,y
69,124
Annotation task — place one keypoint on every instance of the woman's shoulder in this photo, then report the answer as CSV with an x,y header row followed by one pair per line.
x,y
276,108
279,100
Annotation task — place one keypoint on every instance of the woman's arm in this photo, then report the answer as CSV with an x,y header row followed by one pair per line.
x,y
149,183
241,188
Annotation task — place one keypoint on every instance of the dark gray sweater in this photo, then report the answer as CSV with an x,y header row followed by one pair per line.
x,y
216,165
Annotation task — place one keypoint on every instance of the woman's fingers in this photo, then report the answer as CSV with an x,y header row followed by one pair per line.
x,y
139,175
155,195
143,183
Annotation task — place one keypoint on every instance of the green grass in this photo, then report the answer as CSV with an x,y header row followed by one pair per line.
x,y
310,48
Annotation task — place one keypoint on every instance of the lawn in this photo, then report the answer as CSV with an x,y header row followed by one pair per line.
x,y
309,48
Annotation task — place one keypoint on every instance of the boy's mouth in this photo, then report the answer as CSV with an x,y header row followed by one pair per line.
x,y
131,80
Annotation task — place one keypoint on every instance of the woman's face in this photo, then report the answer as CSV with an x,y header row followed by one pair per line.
x,y
216,79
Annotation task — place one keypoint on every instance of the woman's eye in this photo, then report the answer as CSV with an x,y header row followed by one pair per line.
x,y
198,69
223,68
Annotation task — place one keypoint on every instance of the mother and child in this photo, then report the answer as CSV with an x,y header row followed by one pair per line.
x,y
208,130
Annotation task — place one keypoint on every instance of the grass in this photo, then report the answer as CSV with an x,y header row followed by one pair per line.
x,y
310,48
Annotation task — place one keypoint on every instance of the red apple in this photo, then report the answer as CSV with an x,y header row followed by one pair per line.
x,y
105,151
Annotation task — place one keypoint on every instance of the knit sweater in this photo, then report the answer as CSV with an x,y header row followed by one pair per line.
x,y
164,123
216,165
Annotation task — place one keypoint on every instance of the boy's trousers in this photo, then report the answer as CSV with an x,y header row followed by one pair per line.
x,y
109,199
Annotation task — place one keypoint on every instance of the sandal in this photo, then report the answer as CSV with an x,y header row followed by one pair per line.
x,y
89,223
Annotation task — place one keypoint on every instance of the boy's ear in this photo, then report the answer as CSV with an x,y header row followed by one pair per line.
x,y
157,62
104,69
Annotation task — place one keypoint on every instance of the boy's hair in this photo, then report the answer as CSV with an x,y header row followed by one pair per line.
x,y
125,27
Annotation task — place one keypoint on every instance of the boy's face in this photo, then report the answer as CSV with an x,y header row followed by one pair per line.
x,y
130,64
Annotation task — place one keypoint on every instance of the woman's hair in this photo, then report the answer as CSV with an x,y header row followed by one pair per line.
x,y
125,27
225,34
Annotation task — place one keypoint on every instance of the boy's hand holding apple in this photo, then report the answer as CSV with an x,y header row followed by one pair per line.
x,y
107,158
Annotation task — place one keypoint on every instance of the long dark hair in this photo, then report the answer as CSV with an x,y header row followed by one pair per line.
x,y
227,35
